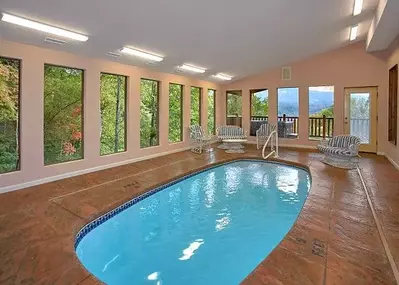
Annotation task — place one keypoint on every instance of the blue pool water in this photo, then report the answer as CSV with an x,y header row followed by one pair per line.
x,y
212,228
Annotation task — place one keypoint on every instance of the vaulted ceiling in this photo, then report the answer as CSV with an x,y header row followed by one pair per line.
x,y
240,38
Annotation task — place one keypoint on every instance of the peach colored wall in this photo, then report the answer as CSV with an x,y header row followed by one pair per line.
x,y
32,76
392,151
350,66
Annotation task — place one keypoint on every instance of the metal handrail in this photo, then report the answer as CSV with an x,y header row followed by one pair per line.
x,y
274,151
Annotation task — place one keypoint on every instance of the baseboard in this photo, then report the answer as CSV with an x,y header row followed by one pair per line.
x,y
396,165
85,171
381,153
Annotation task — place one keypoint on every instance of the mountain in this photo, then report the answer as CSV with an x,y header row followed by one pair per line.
x,y
288,101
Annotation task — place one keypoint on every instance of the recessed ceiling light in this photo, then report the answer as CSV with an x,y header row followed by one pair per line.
x,y
223,76
142,54
192,68
44,28
357,7
353,33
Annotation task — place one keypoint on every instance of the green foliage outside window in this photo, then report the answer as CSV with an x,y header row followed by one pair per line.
x,y
175,112
113,113
9,115
234,103
195,106
63,121
211,111
259,103
149,109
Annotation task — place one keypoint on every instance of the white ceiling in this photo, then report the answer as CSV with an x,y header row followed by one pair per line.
x,y
236,37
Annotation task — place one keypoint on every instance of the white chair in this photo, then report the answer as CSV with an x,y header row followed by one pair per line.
x,y
341,151
200,141
263,133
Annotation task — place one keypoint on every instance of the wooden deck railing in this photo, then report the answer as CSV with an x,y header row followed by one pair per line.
x,y
319,127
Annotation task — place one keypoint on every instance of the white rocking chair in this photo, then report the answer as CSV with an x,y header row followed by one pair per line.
x,y
200,141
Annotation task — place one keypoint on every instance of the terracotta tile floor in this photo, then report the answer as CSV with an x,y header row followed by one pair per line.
x,y
334,241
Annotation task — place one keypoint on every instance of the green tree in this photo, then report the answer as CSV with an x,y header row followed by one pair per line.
x,y
149,108
234,103
113,113
175,112
63,124
211,111
259,104
9,114
195,106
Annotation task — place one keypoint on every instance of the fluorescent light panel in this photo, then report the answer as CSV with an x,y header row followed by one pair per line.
x,y
141,54
44,28
192,68
353,33
223,76
357,7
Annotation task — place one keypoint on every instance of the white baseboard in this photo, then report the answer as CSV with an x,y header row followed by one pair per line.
x,y
381,153
85,171
396,165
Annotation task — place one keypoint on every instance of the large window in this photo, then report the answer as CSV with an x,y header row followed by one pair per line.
x,y
196,105
211,111
175,112
63,114
234,108
113,113
259,109
393,105
9,114
149,113
288,112
321,112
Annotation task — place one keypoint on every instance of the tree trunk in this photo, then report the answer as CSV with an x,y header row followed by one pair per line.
x,y
118,114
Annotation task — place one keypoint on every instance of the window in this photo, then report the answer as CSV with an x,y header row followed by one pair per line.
x,y
63,114
9,114
113,113
234,108
288,112
393,105
149,113
211,111
321,112
259,109
196,105
175,112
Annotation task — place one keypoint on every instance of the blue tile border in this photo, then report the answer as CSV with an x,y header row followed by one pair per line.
x,y
105,217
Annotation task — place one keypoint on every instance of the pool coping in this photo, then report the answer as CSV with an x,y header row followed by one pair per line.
x,y
161,186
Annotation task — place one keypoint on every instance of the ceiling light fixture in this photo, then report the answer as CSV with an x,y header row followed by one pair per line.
x,y
223,76
357,7
192,68
353,33
44,28
142,54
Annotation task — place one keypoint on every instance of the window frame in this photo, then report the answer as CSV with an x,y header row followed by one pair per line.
x,y
200,103
214,110
227,97
126,110
158,109
393,95
181,111
299,103
18,168
82,96
252,92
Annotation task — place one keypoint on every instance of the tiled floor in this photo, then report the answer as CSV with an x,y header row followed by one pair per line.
x,y
334,241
